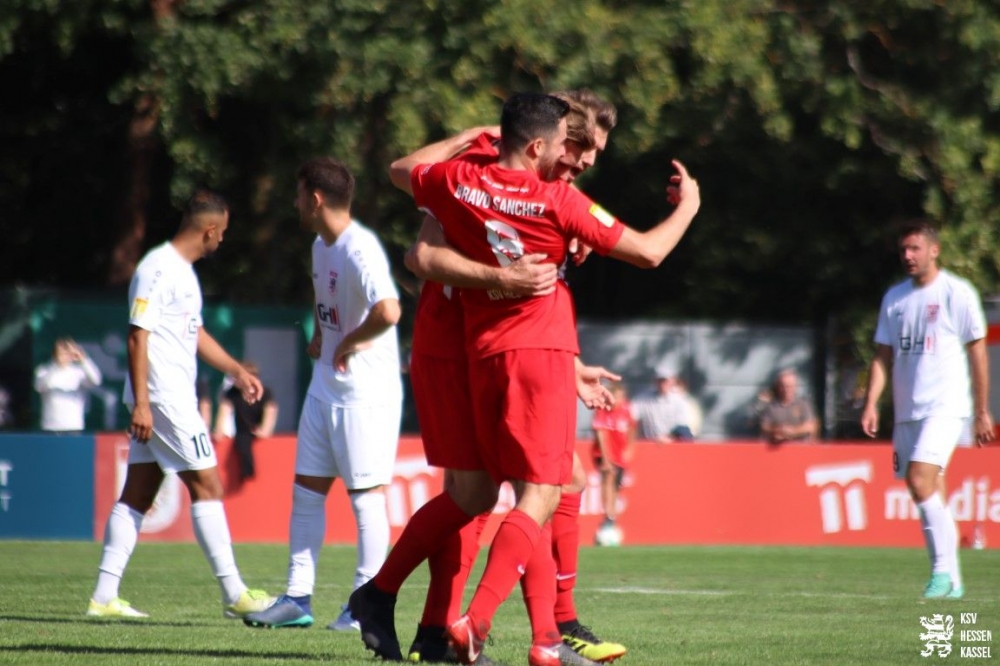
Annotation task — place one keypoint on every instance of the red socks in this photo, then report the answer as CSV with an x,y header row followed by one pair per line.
x,y
538,585
427,532
450,567
566,552
512,548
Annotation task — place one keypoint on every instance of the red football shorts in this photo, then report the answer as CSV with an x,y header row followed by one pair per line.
x,y
525,405
444,410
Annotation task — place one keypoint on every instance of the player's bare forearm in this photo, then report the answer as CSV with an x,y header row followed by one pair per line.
x,y
432,258
980,376
138,363
382,316
400,170
648,249
137,345
878,372
213,353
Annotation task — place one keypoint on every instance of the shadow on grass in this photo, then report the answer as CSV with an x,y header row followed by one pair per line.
x,y
96,621
213,654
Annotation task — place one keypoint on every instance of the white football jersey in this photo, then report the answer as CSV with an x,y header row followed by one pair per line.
x,y
165,299
928,328
349,277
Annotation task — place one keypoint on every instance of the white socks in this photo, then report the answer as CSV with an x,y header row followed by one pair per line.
x,y
941,536
305,538
120,536
373,533
212,532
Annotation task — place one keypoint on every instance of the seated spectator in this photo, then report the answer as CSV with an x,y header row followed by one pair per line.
x,y
664,415
63,384
788,417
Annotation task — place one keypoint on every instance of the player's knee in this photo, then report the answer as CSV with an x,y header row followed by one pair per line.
x,y
203,485
921,486
474,500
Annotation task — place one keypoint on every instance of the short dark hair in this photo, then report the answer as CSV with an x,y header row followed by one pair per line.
x,y
204,201
528,116
920,226
331,177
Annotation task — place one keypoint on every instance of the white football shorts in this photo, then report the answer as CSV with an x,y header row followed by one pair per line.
x,y
180,440
355,444
931,440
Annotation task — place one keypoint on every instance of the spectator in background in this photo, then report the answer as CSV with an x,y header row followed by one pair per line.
x,y
204,394
787,417
63,383
252,420
665,414
614,437
6,414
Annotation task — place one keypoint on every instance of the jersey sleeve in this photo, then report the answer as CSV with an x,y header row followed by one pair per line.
x,y
970,318
586,220
484,144
424,180
882,331
149,294
375,278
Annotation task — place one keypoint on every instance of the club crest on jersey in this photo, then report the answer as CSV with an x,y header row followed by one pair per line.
x,y
332,284
603,216
932,312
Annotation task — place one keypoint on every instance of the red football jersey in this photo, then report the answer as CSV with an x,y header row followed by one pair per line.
x,y
617,422
495,215
438,327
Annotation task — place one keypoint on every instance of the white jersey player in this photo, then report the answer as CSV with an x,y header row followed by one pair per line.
x,y
168,433
349,426
932,333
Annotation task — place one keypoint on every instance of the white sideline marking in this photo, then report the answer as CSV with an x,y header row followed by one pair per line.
x,y
726,593
650,590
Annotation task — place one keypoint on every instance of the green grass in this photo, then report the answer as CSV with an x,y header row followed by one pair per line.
x,y
676,605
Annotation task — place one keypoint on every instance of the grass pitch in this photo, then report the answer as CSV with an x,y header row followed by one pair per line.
x,y
670,605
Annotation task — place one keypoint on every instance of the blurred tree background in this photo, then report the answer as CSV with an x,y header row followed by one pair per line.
x,y
811,126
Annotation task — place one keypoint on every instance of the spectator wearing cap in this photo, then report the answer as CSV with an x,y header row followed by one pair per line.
x,y
664,414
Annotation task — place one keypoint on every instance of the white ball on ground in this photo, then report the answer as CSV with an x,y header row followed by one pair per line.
x,y
608,535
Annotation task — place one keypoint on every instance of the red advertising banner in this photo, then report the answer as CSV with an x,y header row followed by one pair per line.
x,y
258,510
703,493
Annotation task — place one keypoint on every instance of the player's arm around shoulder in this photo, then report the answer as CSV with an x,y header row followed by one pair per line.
x,y
431,258
401,170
